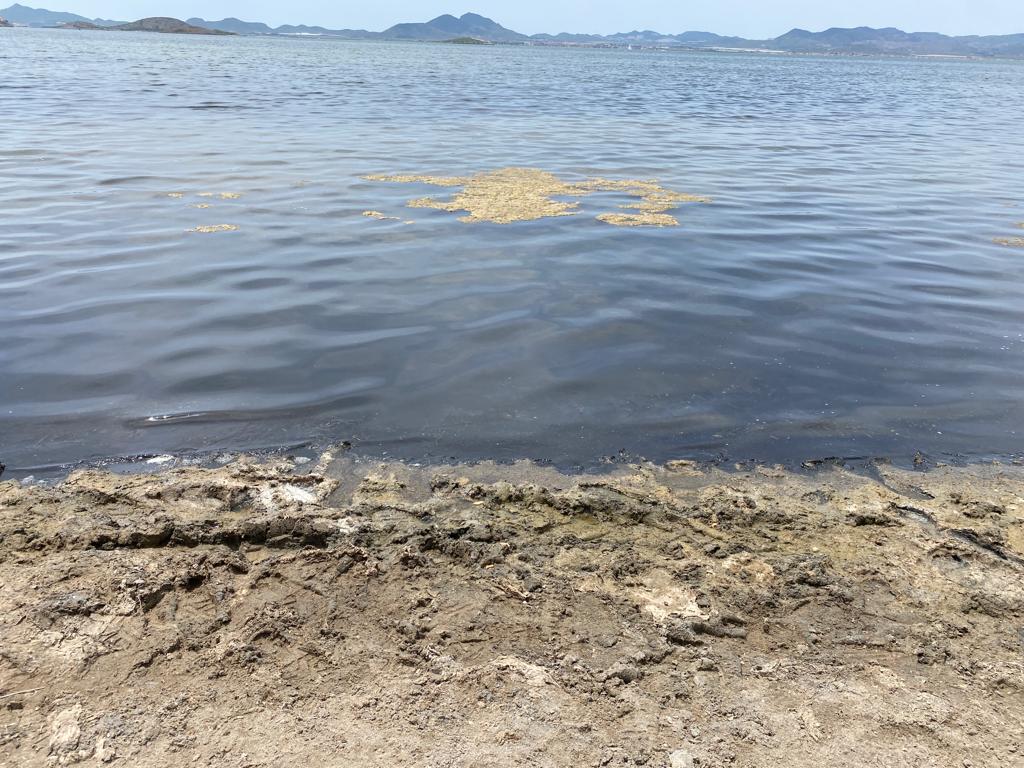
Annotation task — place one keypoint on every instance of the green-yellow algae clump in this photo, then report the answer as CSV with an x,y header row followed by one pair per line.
x,y
176,195
221,195
379,216
437,181
1012,242
209,229
509,195
639,219
505,196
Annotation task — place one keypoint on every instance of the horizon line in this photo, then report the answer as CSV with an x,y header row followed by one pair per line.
x,y
536,34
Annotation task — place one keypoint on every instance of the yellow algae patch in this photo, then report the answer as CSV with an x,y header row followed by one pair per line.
x,y
1012,242
651,211
210,229
509,195
221,195
201,205
379,216
639,219
437,181
176,195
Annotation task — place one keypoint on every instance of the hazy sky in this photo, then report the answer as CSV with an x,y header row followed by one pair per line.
x,y
749,18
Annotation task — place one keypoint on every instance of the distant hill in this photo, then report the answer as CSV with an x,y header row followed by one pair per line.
x,y
441,29
237,26
24,16
240,27
167,25
895,41
163,24
467,41
857,40
447,27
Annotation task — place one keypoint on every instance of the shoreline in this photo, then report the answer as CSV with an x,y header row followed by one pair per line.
x,y
369,453
347,611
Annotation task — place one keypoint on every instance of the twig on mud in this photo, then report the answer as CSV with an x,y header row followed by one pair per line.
x,y
302,654
511,590
12,694
246,714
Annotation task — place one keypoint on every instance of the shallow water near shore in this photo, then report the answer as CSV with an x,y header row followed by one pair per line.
x,y
185,264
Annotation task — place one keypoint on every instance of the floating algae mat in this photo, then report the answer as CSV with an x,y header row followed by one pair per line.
x,y
509,195
213,228
381,217
1012,242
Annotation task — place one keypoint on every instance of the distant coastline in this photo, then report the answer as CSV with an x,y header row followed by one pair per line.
x,y
470,26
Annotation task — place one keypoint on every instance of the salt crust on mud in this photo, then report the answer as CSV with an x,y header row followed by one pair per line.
x,y
509,195
361,614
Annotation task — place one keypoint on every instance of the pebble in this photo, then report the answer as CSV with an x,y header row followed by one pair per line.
x,y
626,674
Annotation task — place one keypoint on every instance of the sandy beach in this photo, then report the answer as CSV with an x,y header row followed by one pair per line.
x,y
343,612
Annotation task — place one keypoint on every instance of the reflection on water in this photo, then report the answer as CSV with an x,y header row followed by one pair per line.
x,y
843,295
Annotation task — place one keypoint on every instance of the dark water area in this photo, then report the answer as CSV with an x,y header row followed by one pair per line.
x,y
842,296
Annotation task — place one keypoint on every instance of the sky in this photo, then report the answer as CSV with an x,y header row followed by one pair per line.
x,y
746,18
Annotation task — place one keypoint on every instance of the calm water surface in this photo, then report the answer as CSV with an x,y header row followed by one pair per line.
x,y
842,296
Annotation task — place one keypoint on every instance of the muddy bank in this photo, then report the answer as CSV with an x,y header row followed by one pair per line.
x,y
354,614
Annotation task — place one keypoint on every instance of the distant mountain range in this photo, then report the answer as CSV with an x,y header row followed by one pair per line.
x,y
24,16
861,40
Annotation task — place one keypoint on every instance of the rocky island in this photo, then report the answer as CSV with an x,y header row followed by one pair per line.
x,y
162,24
467,41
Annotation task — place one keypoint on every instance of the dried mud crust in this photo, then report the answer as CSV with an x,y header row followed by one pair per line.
x,y
353,614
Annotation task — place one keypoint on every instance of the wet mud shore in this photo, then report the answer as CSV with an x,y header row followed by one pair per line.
x,y
348,613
